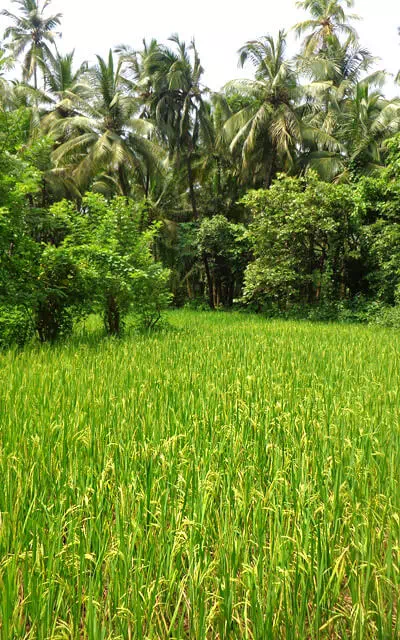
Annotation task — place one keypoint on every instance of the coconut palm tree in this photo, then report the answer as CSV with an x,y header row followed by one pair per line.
x,y
339,65
368,120
59,73
360,123
219,168
140,83
333,74
31,33
177,104
268,127
6,64
136,71
328,21
348,108
103,138
64,87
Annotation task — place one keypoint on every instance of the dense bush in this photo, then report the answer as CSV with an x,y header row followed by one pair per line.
x,y
224,249
150,295
116,257
387,317
98,261
305,235
16,327
62,294
331,249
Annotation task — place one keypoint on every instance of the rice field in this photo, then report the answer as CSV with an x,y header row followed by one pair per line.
x,y
228,478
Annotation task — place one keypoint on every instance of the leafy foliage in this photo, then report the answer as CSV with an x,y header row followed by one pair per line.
x,y
31,33
121,179
107,240
305,236
225,250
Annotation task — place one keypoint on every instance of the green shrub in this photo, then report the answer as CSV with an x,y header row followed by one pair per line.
x,y
300,235
357,310
387,317
107,239
150,295
16,327
62,293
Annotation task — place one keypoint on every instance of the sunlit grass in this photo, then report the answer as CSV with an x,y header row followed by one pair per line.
x,y
232,478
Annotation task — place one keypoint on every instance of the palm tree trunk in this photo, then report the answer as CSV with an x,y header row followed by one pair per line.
x,y
209,282
123,181
219,172
191,187
147,183
270,168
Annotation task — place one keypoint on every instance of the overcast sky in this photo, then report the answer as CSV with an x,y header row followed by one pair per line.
x,y
220,28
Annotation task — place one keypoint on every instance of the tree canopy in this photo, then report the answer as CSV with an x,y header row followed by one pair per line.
x,y
280,188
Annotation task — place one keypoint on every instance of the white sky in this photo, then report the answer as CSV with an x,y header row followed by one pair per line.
x,y
219,27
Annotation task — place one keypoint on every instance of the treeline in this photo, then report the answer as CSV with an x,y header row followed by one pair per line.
x,y
122,182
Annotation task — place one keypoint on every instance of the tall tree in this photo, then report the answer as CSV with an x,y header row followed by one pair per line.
x,y
178,104
65,86
60,75
136,74
268,127
328,21
104,138
6,64
220,168
333,74
368,120
349,109
31,33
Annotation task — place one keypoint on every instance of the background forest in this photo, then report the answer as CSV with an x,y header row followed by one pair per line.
x,y
129,185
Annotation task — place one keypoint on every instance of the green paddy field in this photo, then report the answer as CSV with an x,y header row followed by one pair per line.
x,y
227,478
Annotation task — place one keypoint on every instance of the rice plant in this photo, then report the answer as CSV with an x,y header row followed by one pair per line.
x,y
228,478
